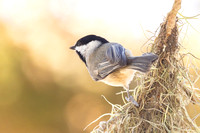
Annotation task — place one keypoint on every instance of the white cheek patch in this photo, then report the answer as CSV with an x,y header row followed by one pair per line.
x,y
92,46
89,47
81,49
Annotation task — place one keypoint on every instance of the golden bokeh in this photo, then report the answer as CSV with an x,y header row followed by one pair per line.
x,y
44,87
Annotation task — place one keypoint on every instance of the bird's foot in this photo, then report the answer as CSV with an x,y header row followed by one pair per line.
x,y
131,99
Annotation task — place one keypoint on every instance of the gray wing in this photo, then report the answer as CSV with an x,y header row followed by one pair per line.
x,y
115,58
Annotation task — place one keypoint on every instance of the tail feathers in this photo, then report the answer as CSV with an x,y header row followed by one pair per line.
x,y
142,63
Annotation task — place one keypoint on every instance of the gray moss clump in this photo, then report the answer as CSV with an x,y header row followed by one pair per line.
x,y
163,94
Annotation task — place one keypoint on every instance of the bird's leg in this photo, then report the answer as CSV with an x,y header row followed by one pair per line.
x,y
130,98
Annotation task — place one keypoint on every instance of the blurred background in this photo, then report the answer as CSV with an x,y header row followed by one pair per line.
x,y
44,87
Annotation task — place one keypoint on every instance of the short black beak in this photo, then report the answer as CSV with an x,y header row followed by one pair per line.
x,y
73,47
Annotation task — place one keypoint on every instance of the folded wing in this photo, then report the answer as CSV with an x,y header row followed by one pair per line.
x,y
115,58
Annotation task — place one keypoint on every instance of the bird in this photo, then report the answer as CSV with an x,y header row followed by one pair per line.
x,y
111,63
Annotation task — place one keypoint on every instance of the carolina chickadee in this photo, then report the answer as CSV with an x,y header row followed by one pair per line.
x,y
110,62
